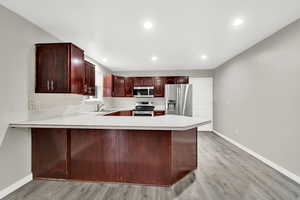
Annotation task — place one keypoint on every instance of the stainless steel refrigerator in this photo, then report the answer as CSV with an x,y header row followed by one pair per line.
x,y
179,99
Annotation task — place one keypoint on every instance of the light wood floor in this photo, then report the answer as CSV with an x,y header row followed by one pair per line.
x,y
224,173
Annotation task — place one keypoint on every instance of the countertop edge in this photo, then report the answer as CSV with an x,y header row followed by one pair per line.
x,y
16,125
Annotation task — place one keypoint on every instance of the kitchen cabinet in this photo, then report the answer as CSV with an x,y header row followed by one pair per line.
x,y
59,68
119,86
143,81
159,86
170,80
159,112
138,81
89,81
114,155
148,81
177,80
108,85
94,155
128,87
49,153
121,113
182,80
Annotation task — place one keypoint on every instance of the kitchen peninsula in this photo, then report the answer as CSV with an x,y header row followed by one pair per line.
x,y
144,150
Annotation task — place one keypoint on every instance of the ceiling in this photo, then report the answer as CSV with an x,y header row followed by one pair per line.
x,y
183,30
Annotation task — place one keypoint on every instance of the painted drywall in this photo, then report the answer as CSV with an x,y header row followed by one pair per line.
x,y
191,73
257,95
18,37
18,101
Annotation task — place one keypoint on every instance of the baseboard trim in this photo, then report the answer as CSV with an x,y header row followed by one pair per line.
x,y
273,165
15,186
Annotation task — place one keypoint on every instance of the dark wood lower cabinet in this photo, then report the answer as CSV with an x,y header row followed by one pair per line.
x,y
94,155
50,153
154,157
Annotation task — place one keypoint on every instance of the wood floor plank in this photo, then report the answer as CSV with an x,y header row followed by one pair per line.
x,y
225,172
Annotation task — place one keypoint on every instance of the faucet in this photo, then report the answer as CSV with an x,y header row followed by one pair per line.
x,y
99,107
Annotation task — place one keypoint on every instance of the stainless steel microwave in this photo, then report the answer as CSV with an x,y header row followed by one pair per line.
x,y
143,92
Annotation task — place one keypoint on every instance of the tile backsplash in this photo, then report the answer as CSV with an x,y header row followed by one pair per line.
x,y
43,106
129,102
51,105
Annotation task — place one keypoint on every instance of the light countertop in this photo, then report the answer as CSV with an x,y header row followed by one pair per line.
x,y
99,121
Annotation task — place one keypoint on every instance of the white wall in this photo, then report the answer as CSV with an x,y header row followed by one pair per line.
x,y
203,100
18,101
17,56
257,98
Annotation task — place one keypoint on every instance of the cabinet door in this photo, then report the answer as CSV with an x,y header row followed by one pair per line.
x,y
108,85
135,146
114,114
87,77
159,86
159,112
138,82
170,80
148,81
182,80
126,113
49,153
92,81
89,80
119,86
52,68
77,70
94,155
128,87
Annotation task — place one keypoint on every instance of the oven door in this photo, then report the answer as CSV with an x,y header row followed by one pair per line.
x,y
143,113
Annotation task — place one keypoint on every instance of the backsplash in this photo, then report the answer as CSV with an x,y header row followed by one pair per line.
x,y
123,102
43,106
52,105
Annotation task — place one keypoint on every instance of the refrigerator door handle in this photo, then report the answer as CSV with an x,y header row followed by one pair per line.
x,y
186,89
177,101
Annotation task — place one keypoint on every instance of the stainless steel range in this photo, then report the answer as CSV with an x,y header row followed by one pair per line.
x,y
143,108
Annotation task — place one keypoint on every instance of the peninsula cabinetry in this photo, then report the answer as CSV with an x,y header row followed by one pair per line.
x,y
114,155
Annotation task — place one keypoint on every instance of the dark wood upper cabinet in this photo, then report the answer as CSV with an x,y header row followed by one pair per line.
x,y
159,86
119,86
148,81
89,81
143,81
177,80
138,81
170,80
108,85
59,68
128,87
182,80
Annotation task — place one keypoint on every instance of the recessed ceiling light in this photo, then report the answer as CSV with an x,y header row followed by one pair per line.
x,y
237,22
148,25
203,57
104,59
154,58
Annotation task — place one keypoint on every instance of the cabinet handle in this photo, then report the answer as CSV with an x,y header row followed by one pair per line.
x,y
48,85
52,85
